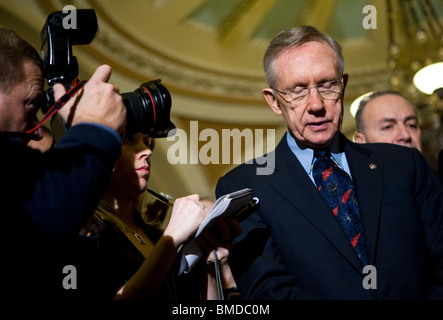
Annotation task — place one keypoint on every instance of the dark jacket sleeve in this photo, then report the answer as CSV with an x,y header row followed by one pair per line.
x,y
257,266
429,199
59,189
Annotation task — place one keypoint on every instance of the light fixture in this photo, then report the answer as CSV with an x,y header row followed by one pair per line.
x,y
354,105
415,32
429,78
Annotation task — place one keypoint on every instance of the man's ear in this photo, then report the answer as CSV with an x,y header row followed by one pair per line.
x,y
271,99
359,137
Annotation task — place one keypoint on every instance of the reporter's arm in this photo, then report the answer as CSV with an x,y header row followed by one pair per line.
x,y
147,281
187,214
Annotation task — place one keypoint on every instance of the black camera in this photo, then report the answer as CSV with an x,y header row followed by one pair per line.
x,y
148,107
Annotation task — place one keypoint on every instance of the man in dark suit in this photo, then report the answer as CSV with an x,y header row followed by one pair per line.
x,y
293,246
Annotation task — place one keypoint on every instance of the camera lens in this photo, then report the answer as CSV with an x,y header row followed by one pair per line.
x,y
148,109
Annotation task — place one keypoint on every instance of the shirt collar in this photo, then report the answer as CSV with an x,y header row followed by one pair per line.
x,y
306,155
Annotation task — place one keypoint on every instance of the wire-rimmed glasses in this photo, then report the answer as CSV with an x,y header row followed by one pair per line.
x,y
328,90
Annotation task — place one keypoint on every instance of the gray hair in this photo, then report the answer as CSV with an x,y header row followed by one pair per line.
x,y
371,96
293,38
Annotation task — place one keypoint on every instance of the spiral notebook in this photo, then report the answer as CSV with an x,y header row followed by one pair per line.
x,y
225,206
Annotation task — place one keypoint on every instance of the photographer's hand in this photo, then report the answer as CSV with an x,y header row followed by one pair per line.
x,y
97,102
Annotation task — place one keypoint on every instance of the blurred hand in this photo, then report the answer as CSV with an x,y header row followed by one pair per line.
x,y
219,238
97,102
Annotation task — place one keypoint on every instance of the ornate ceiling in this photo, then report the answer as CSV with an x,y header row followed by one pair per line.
x,y
208,53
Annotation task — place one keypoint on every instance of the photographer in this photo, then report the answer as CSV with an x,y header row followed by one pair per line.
x,y
48,196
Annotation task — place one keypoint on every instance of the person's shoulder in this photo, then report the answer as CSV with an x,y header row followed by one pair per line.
x,y
385,149
264,165
254,167
393,157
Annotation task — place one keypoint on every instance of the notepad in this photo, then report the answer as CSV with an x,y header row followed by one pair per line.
x,y
225,206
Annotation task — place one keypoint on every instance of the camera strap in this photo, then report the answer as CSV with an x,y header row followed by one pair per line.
x,y
77,84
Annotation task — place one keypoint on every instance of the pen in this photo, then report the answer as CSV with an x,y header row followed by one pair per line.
x,y
165,198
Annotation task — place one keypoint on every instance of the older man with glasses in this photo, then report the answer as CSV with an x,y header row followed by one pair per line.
x,y
336,220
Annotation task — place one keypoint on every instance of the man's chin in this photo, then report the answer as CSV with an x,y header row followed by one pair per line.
x,y
319,141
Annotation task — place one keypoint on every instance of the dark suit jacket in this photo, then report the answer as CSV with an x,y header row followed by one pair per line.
x,y
440,165
46,197
293,247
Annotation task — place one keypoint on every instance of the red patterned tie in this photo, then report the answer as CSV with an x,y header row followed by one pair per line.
x,y
337,189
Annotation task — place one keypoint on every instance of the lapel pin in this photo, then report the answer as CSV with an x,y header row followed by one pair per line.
x,y
372,166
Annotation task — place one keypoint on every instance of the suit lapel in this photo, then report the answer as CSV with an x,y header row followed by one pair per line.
x,y
295,186
368,182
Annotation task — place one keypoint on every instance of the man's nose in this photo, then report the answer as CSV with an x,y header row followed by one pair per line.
x,y
403,133
315,101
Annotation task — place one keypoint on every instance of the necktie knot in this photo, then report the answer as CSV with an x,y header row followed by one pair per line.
x,y
322,154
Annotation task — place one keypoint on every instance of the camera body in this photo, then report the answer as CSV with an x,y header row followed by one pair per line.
x,y
147,108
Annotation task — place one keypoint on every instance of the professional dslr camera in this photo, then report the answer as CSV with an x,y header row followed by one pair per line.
x,y
148,107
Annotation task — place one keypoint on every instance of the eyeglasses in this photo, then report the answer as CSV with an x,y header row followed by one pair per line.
x,y
329,90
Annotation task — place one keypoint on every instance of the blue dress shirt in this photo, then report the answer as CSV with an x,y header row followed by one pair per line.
x,y
306,155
